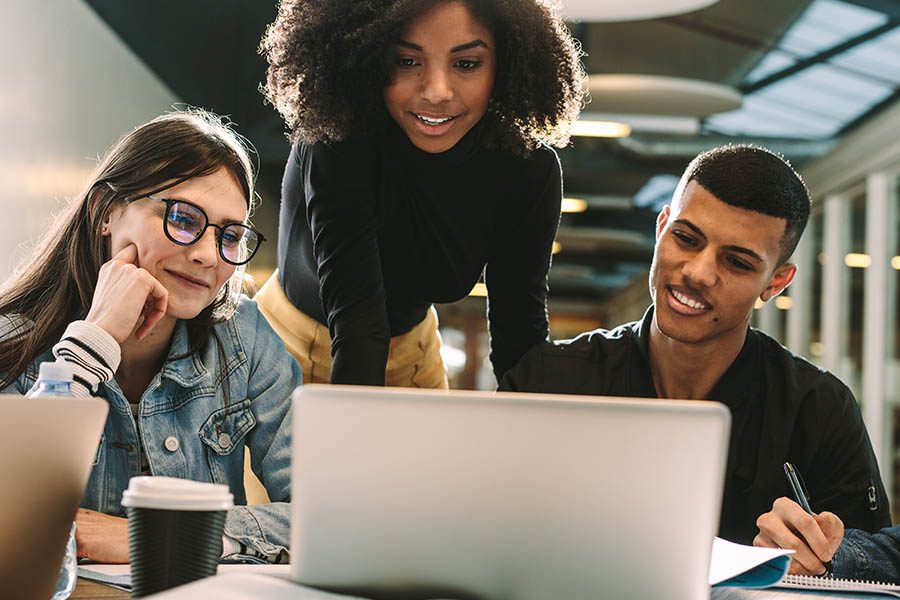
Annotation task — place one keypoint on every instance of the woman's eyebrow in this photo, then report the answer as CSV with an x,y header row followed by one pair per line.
x,y
467,46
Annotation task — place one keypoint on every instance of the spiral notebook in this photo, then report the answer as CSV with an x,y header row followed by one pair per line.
x,y
834,584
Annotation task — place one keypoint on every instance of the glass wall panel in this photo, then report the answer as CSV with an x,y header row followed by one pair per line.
x,y
893,372
856,262
814,352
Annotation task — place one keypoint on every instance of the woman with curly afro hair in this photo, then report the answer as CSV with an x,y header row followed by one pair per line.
x,y
422,159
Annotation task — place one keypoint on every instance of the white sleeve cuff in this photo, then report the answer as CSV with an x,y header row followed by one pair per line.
x,y
229,546
94,354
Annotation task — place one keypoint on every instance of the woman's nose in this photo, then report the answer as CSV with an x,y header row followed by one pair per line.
x,y
205,250
436,86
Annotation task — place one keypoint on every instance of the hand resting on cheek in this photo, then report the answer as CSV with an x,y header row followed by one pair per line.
x,y
127,297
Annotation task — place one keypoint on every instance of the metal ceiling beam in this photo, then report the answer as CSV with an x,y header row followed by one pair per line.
x,y
888,7
737,38
821,57
687,148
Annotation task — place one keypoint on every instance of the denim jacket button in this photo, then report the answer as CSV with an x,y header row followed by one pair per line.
x,y
224,440
171,444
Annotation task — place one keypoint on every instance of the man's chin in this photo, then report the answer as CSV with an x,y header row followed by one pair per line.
x,y
684,333
680,336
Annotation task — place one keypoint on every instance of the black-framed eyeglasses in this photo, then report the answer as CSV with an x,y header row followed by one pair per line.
x,y
185,223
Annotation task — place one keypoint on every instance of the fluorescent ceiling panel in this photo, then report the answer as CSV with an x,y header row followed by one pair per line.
x,y
764,117
773,62
826,91
820,100
827,23
879,58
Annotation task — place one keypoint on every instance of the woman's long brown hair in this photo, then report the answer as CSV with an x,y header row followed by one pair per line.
x,y
55,285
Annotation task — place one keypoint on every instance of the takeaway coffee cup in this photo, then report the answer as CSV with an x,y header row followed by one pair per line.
x,y
174,531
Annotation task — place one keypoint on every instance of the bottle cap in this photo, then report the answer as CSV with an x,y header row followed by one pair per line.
x,y
56,371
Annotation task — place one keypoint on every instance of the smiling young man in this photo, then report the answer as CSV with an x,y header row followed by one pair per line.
x,y
722,243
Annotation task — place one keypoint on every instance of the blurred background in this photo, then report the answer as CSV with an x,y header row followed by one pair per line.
x,y
816,80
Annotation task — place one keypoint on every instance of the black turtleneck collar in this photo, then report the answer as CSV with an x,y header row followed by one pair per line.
x,y
464,149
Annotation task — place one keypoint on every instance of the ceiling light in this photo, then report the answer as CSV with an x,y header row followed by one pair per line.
x,y
454,358
479,290
669,124
659,95
758,304
557,247
573,205
858,261
895,262
784,302
603,129
592,10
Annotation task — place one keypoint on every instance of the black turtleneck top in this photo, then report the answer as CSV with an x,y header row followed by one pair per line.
x,y
373,231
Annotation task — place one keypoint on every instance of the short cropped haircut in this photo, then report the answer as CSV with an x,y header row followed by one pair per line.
x,y
330,60
756,179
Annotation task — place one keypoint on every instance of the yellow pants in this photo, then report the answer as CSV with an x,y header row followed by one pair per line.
x,y
414,359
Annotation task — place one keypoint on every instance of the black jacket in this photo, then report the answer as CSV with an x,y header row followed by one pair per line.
x,y
783,409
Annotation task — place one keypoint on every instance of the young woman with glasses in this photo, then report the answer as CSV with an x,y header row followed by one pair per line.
x,y
137,285
422,158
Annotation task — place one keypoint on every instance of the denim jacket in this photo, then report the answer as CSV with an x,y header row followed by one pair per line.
x,y
190,428
869,556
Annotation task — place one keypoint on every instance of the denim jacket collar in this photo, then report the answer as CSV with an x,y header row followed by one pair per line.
x,y
193,369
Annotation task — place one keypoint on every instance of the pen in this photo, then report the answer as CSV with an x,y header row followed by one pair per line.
x,y
802,497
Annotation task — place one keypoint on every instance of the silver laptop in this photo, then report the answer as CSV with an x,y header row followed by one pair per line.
x,y
433,494
47,446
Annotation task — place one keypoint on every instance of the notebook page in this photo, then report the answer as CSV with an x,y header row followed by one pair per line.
x,y
730,562
836,584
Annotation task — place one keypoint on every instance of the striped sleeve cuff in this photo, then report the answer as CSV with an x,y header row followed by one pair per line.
x,y
229,547
234,550
94,354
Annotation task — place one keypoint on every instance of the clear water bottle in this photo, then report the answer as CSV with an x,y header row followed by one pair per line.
x,y
55,379
68,573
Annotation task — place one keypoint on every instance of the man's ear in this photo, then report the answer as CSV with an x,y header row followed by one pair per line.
x,y
662,219
781,278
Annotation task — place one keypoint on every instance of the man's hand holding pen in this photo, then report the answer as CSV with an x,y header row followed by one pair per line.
x,y
814,537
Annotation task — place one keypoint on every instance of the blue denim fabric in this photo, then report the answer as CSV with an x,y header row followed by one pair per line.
x,y
869,556
187,401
